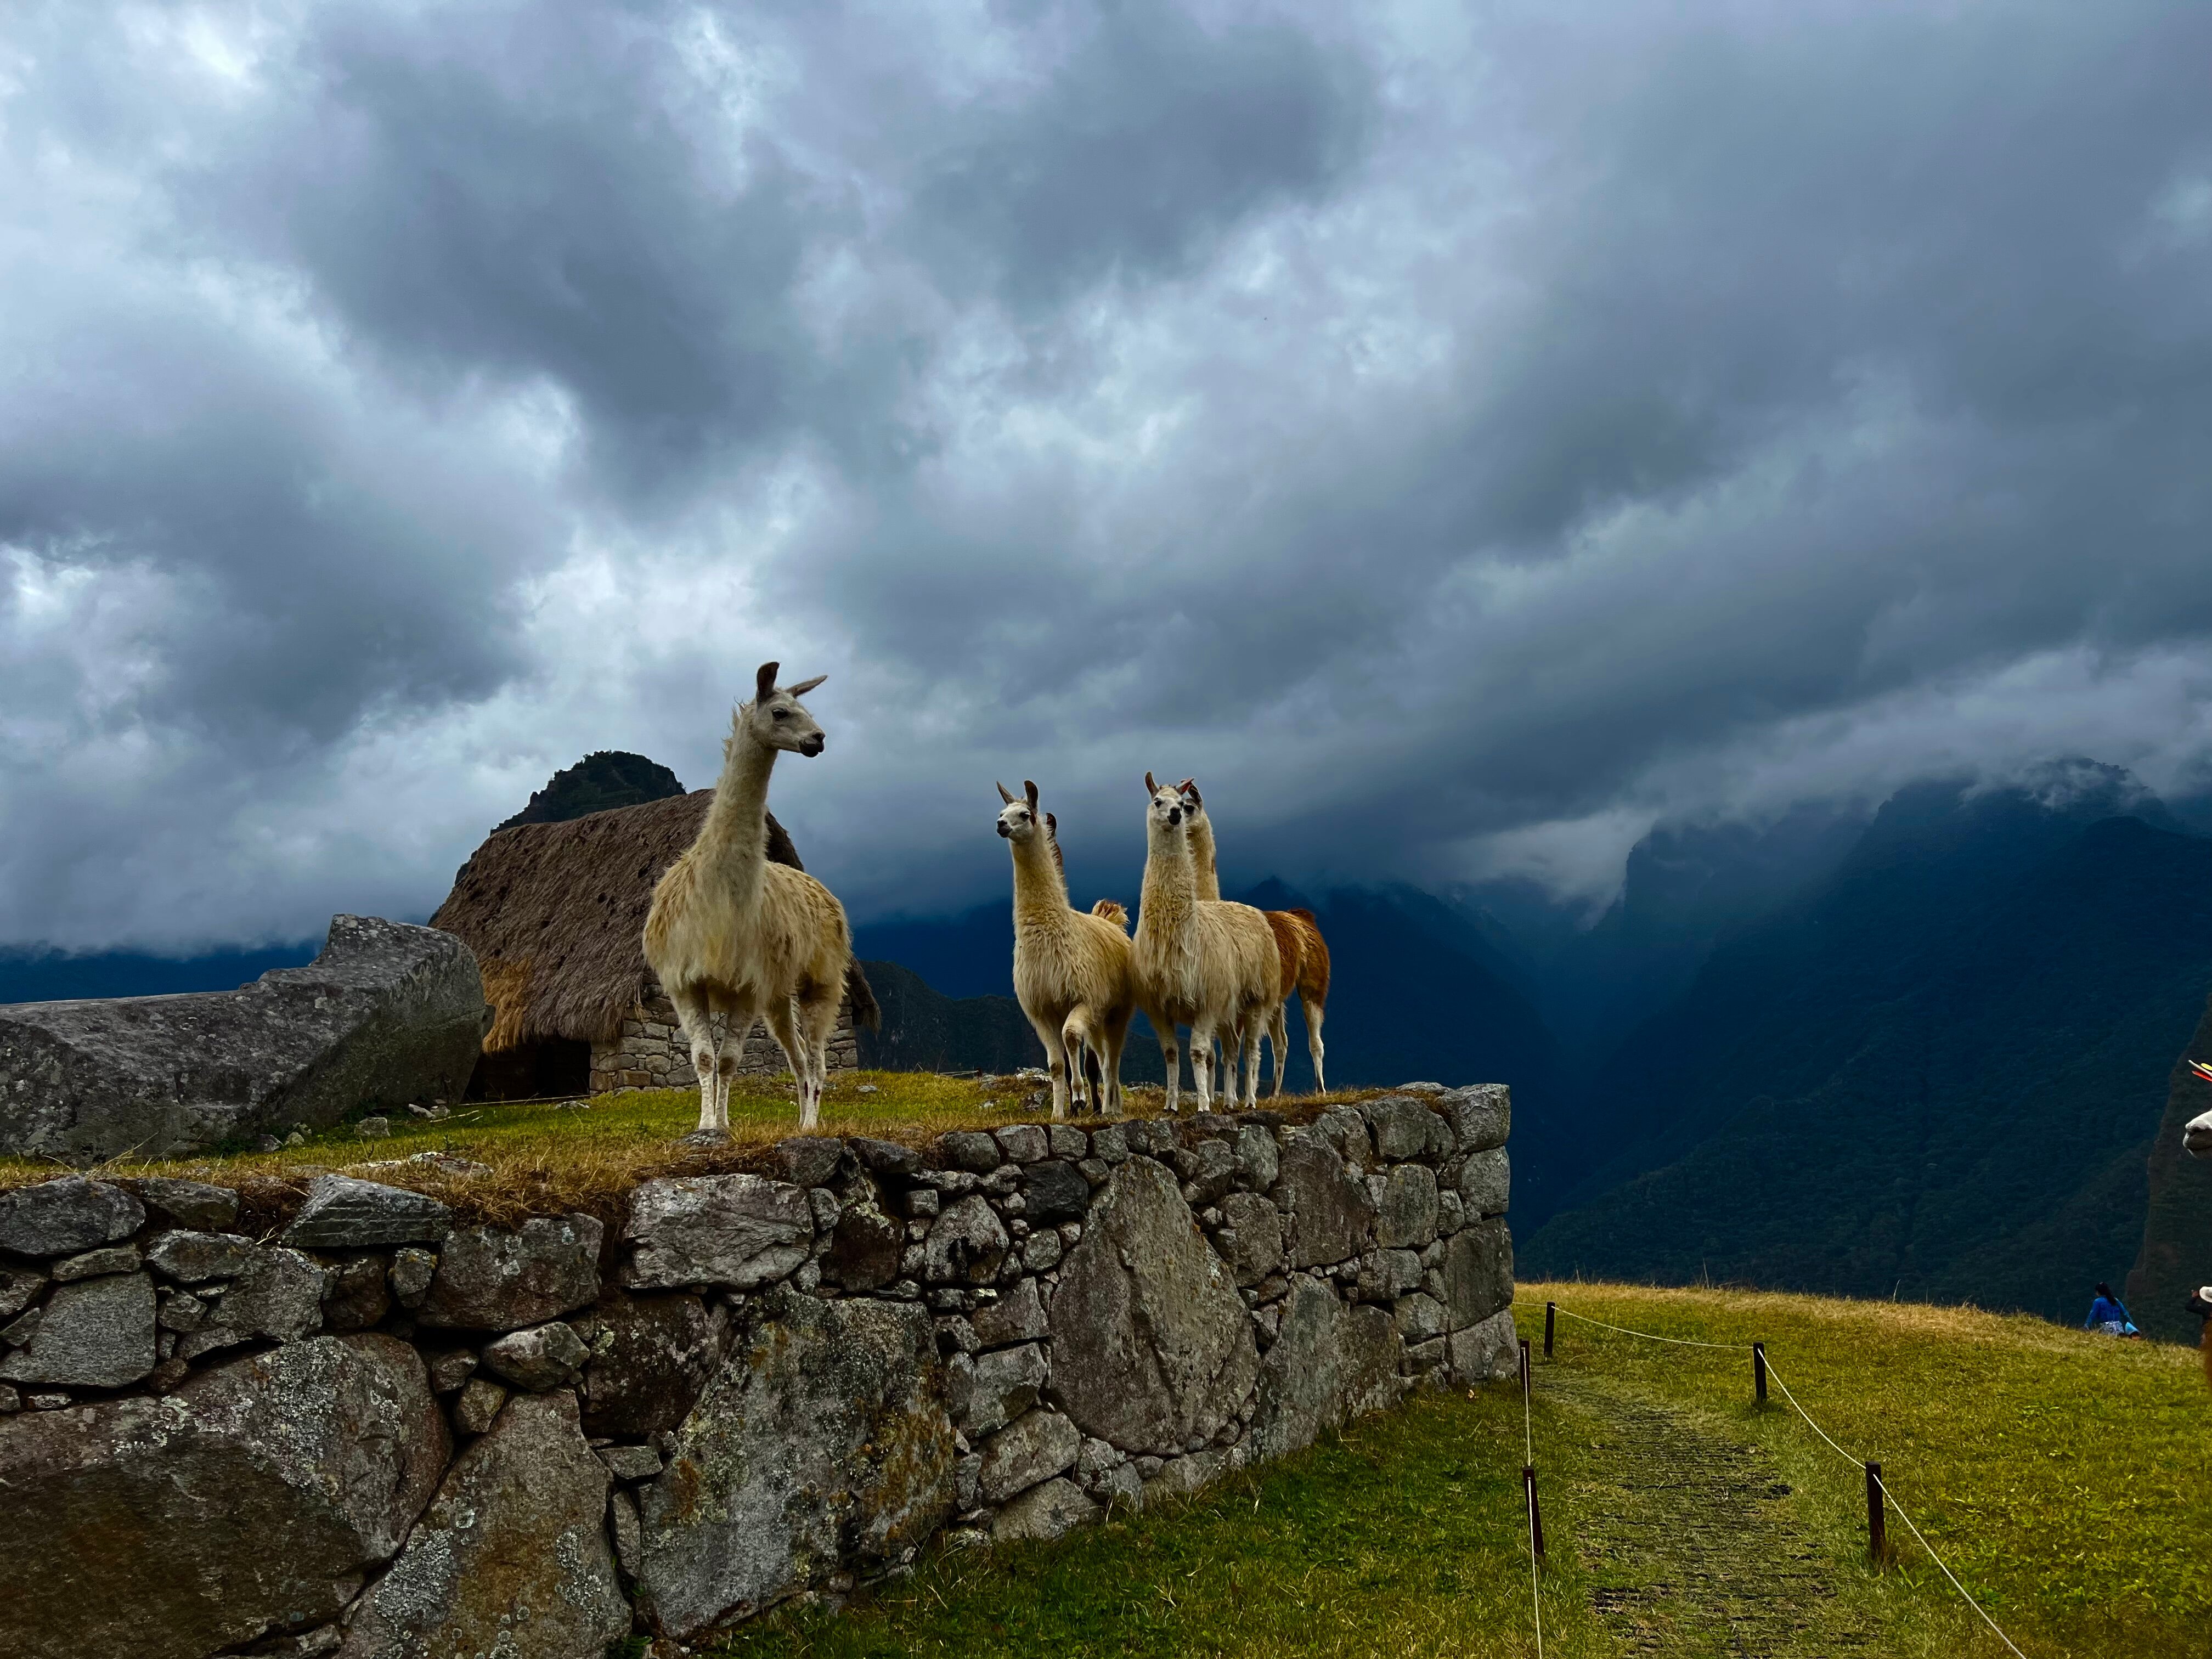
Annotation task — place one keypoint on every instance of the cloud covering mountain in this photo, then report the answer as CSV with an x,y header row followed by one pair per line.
x,y
1461,439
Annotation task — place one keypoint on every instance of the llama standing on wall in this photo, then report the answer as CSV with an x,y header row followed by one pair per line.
x,y
734,937
1071,969
1199,962
1304,953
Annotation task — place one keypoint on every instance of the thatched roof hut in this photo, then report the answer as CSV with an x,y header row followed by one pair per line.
x,y
556,915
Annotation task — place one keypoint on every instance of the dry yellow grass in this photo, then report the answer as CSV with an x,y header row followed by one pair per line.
x,y
545,1157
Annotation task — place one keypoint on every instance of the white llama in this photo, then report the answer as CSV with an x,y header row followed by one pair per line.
x,y
1298,939
1199,962
1071,969
734,937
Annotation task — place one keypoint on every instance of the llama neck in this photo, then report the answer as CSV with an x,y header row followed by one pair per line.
x,y
1039,891
1206,879
1166,906
736,831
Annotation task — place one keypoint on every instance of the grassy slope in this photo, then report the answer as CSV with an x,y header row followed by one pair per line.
x,y
2060,1475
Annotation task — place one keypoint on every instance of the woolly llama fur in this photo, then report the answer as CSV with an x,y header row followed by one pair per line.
x,y
1071,969
1199,962
734,937
1299,942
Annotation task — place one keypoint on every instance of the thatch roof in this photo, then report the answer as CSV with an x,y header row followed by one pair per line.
x,y
556,915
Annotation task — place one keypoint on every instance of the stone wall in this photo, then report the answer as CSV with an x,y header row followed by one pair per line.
x,y
650,1052
351,1421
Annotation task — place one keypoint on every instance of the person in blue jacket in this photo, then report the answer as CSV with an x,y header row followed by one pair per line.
x,y
2107,1315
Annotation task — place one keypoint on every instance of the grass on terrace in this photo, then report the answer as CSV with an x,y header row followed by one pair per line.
x,y
547,1155
2061,1475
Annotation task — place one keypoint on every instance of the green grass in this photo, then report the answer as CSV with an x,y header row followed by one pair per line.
x,y
2060,1474
546,1155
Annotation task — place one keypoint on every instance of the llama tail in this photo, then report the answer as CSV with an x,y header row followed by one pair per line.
x,y
862,995
1114,911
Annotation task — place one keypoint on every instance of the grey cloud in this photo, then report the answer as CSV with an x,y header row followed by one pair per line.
x,y
1427,429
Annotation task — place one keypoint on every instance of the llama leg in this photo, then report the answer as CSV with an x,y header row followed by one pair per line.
x,y
1116,1036
817,1023
1257,1023
714,1087
1171,1056
1201,1071
1278,1037
786,1030
1055,1060
1313,1012
691,1015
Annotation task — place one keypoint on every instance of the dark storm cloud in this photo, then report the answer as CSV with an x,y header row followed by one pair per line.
x,y
1433,428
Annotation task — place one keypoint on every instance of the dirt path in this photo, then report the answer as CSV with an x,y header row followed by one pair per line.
x,y
1692,1539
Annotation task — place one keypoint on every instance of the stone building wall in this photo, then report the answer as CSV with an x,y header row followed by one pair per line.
x,y
650,1052
351,1422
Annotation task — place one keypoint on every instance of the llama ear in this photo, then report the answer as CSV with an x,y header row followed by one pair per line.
x,y
804,686
1006,794
1052,826
764,681
1030,790
1188,787
1150,788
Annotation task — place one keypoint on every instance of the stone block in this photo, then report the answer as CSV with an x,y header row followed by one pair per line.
x,y
1036,1446
966,1244
548,1357
1151,1342
1023,1143
342,1213
1399,1126
95,1333
255,1499
1054,1191
1481,1116
498,1279
1485,1182
1331,1213
1044,1512
822,1446
1478,1272
1253,1240
1406,1217
512,1555
650,1359
971,1150
1004,1383
95,1264
1488,1351
193,1205
739,1231
1329,1363
1018,1316
68,1216
191,1258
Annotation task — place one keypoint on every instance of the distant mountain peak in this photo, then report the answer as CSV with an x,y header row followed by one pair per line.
x,y
598,783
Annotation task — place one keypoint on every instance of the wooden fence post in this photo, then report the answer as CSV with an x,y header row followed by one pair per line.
x,y
1877,1533
1524,1372
1550,1308
1758,1372
1535,1514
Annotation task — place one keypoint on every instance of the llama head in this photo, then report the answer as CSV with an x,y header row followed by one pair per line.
x,y
1019,819
1193,804
1163,817
775,719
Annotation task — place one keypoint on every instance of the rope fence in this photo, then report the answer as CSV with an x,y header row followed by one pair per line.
x,y
1878,1491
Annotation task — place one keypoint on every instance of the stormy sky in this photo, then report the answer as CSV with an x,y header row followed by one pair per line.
x,y
1460,435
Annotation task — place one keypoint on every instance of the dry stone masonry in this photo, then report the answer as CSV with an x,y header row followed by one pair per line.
x,y
371,1429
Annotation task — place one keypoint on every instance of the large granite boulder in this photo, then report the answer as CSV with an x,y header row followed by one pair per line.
x,y
512,1555
823,1444
386,1016
1152,1346
252,1502
1330,1363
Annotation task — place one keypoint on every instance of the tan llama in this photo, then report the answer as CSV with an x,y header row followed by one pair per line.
x,y
734,937
1211,966
1298,939
1071,969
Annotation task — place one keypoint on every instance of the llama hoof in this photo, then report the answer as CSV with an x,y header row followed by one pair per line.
x,y
706,1138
